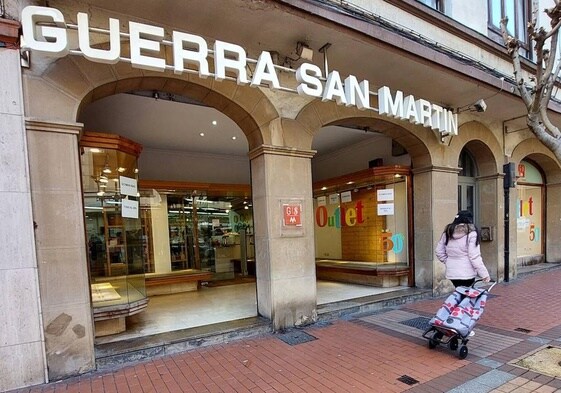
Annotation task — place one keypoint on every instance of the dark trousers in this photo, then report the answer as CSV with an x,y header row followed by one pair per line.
x,y
463,283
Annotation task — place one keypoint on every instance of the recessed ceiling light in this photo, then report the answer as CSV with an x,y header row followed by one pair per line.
x,y
214,122
95,150
202,134
350,182
324,188
234,138
121,169
136,170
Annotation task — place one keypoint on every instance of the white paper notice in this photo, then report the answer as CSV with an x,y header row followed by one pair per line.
x,y
322,201
385,209
333,199
128,186
385,194
129,209
346,196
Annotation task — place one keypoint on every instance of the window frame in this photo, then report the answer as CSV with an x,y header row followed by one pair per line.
x,y
439,5
519,26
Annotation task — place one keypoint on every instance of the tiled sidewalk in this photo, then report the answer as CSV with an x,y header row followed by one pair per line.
x,y
381,352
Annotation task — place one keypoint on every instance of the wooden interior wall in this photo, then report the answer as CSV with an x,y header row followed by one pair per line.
x,y
363,242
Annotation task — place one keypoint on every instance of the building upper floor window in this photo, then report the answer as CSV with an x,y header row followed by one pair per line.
x,y
436,4
518,14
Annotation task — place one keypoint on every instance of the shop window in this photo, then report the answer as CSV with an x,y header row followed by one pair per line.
x,y
467,184
518,14
529,217
362,226
204,231
436,4
117,240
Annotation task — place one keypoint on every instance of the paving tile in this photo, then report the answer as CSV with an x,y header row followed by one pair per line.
x,y
363,354
484,383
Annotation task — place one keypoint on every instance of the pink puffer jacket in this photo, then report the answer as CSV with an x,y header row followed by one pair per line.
x,y
461,255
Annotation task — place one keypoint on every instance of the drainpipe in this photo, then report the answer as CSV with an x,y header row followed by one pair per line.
x,y
509,181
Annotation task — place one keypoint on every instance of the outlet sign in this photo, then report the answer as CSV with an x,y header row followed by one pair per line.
x,y
45,30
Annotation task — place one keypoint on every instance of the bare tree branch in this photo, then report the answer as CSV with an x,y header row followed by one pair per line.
x,y
548,124
513,46
537,92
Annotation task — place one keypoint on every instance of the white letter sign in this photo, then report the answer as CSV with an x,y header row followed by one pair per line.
x,y
141,36
51,39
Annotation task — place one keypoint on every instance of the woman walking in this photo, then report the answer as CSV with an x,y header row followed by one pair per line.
x,y
458,248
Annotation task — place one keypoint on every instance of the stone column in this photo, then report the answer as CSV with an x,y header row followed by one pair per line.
x,y
553,223
22,358
491,214
285,255
58,211
435,204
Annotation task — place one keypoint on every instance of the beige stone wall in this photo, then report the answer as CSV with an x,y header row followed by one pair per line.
x,y
21,338
61,247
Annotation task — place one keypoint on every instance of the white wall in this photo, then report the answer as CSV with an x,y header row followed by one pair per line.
x,y
193,167
355,158
473,13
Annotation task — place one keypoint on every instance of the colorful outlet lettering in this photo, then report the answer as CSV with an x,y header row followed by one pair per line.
x,y
341,217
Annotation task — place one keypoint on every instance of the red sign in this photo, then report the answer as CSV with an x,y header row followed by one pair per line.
x,y
292,215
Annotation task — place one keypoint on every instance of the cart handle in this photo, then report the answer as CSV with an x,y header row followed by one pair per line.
x,y
492,282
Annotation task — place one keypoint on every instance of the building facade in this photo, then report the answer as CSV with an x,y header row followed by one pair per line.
x,y
428,82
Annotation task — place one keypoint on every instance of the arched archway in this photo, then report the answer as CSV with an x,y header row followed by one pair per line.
x,y
430,165
246,106
482,187
64,88
544,190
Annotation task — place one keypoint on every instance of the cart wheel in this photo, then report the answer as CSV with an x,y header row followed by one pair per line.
x,y
453,344
463,352
435,340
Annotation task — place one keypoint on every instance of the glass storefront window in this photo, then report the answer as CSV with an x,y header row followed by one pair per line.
x,y
116,246
199,230
529,217
363,219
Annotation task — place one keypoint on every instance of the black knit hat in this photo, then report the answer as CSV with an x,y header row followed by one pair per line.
x,y
463,217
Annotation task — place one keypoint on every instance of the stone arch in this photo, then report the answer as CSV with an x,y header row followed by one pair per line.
x,y
417,140
72,82
481,143
537,152
534,150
